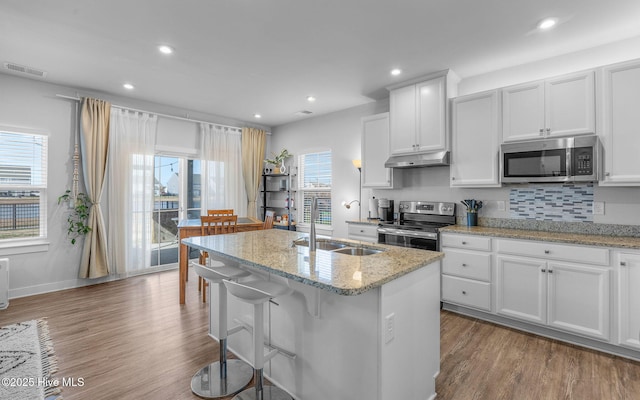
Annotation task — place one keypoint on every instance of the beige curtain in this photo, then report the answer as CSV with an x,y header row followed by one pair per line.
x,y
94,142
253,144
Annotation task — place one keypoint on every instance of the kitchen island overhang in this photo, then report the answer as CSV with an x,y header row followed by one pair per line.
x,y
360,326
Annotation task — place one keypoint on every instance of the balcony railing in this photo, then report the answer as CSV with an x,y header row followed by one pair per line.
x,y
19,217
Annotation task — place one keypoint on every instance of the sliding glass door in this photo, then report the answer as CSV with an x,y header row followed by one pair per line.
x,y
176,197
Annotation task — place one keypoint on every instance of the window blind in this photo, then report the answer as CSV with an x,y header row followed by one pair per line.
x,y
314,174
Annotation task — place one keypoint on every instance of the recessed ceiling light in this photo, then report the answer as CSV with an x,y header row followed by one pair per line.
x,y
547,23
257,116
164,49
311,99
396,71
128,86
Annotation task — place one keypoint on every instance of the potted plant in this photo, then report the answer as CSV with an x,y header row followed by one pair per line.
x,y
77,219
278,161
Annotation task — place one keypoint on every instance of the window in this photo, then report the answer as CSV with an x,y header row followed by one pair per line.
x,y
314,180
23,184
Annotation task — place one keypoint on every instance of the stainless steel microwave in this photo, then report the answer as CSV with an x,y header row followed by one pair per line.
x,y
570,159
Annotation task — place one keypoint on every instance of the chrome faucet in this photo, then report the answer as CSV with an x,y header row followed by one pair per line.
x,y
312,231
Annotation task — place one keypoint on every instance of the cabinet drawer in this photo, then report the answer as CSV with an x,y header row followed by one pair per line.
x,y
466,292
466,242
467,264
363,232
552,251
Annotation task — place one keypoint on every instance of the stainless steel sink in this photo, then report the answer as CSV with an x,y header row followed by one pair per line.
x,y
358,251
321,244
338,247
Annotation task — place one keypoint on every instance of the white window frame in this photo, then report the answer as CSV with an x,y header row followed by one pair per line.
x,y
38,243
307,190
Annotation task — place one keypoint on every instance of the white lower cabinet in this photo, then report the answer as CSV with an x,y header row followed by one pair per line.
x,y
466,271
570,297
521,288
628,299
582,294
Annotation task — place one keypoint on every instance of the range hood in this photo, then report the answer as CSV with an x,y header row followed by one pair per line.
x,y
418,160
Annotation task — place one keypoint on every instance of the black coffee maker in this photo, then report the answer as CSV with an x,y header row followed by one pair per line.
x,y
385,210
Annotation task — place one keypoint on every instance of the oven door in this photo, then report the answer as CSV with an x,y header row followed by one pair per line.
x,y
408,238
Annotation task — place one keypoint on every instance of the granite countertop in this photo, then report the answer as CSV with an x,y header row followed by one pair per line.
x,y
573,238
271,250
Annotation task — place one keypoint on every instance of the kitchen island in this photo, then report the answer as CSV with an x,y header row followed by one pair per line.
x,y
362,327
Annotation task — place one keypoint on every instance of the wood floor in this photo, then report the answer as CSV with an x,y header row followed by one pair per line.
x,y
131,339
480,360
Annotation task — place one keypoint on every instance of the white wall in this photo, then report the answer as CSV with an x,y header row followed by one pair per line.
x,y
33,104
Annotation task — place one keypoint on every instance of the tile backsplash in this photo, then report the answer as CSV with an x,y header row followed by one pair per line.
x,y
564,203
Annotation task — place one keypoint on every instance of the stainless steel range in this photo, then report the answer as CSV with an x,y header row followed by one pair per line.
x,y
417,225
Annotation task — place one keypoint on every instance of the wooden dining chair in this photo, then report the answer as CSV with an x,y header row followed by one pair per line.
x,y
268,220
214,225
220,212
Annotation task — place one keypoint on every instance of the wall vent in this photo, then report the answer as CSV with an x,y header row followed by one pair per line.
x,y
303,112
25,70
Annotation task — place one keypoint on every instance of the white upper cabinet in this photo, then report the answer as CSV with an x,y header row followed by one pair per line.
x,y
402,107
562,106
621,124
475,140
418,115
431,134
375,151
523,111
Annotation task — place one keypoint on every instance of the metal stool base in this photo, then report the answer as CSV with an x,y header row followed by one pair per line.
x,y
206,382
268,393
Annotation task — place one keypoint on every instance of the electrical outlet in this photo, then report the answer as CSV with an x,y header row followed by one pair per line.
x,y
501,205
389,327
598,208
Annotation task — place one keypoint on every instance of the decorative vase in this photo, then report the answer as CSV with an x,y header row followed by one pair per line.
x,y
283,169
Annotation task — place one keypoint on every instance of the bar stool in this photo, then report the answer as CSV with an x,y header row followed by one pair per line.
x,y
258,293
224,377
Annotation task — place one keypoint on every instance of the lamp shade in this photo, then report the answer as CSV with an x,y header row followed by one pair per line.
x,y
357,163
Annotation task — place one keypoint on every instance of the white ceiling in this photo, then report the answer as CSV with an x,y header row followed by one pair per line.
x,y
234,58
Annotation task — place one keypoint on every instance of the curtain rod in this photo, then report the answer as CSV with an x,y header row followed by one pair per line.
x,y
158,114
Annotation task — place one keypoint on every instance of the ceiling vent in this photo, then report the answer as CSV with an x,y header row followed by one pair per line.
x,y
25,70
303,112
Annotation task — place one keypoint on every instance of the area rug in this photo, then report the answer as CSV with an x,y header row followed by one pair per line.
x,y
27,362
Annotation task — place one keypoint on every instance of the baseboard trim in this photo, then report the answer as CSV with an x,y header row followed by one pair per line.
x,y
546,332
76,283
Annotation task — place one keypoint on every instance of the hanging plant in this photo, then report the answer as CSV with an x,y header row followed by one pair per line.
x,y
77,219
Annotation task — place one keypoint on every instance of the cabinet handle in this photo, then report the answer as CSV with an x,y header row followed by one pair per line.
x,y
464,242
544,270
464,265
464,292
623,263
361,230
548,130
547,252
453,178
551,271
541,131
607,174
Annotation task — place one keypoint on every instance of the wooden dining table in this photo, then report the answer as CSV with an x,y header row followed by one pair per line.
x,y
191,227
